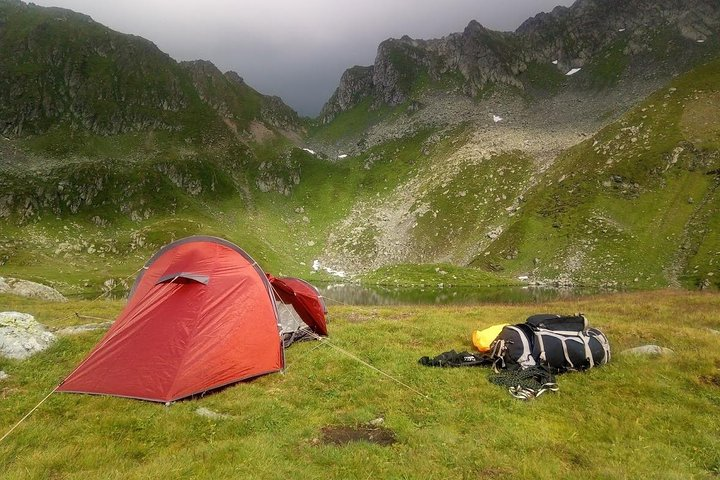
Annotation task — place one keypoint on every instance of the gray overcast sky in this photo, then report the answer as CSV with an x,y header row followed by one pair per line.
x,y
292,48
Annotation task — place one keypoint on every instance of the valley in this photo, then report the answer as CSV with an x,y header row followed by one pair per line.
x,y
476,151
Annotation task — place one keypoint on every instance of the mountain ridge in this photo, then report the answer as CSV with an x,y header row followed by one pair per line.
x,y
61,67
569,37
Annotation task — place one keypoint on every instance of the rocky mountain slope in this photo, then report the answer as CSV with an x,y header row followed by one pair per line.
x,y
513,117
635,204
610,40
93,119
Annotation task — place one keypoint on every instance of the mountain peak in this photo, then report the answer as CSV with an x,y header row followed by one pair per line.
x,y
61,69
474,26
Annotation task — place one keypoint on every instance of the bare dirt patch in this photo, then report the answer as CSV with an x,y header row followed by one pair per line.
x,y
342,435
260,133
699,119
712,380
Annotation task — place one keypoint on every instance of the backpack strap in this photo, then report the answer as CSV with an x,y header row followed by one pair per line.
x,y
586,325
526,359
526,383
497,351
542,357
588,353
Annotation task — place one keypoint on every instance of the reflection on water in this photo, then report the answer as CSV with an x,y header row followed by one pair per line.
x,y
356,294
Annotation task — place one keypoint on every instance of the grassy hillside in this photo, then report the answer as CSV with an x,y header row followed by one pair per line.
x,y
636,204
63,73
467,427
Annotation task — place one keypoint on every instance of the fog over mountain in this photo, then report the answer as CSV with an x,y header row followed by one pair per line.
x,y
296,50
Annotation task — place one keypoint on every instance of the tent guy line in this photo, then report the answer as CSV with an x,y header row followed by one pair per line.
x,y
58,385
324,340
7,434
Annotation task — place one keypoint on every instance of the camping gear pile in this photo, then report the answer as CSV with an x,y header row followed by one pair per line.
x,y
527,356
202,314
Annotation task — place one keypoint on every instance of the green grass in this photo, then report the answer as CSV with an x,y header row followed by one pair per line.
x,y
636,417
461,210
608,65
544,77
350,123
412,275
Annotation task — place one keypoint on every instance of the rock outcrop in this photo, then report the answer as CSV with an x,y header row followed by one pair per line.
x,y
237,103
355,85
22,336
25,288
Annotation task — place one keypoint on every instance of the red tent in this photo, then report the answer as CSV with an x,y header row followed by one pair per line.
x,y
201,315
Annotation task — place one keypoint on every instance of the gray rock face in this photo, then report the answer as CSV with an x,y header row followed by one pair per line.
x,y
355,85
648,350
566,38
22,336
25,288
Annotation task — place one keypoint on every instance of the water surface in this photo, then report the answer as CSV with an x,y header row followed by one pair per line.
x,y
356,294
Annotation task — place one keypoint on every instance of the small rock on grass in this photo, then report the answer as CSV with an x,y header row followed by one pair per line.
x,y
648,350
206,412
22,336
78,329
3,375
376,422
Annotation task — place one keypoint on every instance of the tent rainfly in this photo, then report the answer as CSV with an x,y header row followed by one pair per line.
x,y
301,309
201,315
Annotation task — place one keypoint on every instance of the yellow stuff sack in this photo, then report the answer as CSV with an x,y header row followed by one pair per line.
x,y
483,338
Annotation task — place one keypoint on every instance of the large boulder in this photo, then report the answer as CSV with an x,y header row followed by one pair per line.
x,y
22,336
25,288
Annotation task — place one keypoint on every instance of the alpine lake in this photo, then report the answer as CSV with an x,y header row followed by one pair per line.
x,y
351,293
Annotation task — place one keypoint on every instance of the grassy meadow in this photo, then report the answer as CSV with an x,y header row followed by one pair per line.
x,y
636,417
